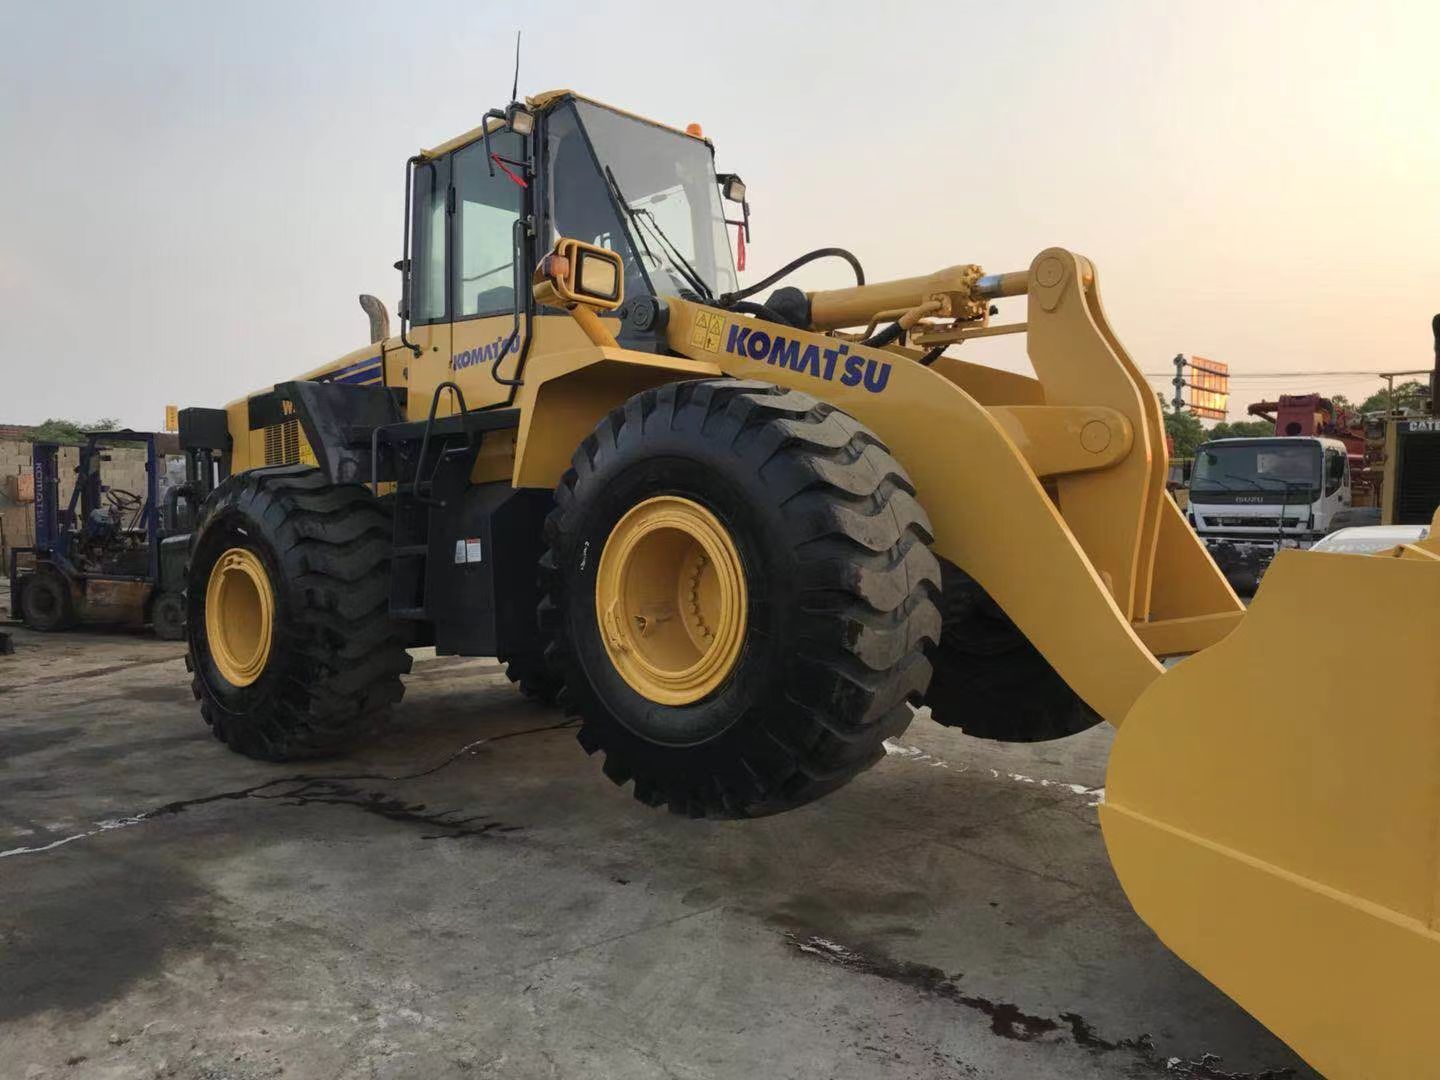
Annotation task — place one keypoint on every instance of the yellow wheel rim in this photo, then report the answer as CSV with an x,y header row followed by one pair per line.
x,y
670,597
239,616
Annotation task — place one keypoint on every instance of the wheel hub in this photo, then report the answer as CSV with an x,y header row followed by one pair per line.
x,y
670,597
239,616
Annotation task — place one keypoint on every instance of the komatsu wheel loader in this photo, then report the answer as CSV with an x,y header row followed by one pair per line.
x,y
740,538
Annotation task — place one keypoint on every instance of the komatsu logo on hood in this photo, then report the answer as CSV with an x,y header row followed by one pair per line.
x,y
833,365
481,354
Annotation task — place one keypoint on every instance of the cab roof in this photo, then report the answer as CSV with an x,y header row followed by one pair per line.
x,y
540,103
1323,440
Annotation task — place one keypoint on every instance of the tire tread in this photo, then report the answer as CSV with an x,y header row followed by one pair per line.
x,y
870,590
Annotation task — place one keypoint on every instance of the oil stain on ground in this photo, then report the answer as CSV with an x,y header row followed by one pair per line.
x,y
75,949
14,744
1009,1021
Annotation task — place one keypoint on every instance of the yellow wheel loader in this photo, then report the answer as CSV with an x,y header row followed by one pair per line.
x,y
740,537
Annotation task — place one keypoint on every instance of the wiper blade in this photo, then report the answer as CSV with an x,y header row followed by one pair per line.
x,y
691,275
625,206
1288,485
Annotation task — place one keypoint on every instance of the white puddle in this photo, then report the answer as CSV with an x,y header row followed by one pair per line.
x,y
1093,796
100,827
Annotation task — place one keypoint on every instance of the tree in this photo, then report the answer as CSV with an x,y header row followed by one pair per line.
x,y
1243,429
1185,431
1408,395
70,431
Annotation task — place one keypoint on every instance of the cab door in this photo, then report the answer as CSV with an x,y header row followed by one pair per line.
x,y
1335,495
486,205
428,302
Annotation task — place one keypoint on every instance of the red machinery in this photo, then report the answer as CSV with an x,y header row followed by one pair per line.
x,y
1311,414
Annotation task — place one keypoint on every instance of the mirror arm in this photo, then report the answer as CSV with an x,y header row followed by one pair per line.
x,y
404,264
485,134
521,286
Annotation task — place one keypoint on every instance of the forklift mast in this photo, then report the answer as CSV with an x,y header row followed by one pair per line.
x,y
47,494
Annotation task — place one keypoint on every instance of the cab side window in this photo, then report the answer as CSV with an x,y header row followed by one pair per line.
x,y
1335,464
486,210
427,246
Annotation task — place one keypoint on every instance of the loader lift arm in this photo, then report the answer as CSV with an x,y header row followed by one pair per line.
x,y
1108,576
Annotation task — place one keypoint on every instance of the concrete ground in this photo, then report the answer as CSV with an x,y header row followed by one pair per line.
x,y
471,897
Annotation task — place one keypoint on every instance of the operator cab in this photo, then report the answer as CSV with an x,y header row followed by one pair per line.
x,y
486,206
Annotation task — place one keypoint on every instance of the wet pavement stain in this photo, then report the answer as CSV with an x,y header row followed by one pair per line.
x,y
328,793
14,744
1207,1067
1009,1021
309,789
74,950
93,673
162,695
1006,1020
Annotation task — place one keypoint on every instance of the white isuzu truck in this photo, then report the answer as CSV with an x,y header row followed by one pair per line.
x,y
1251,497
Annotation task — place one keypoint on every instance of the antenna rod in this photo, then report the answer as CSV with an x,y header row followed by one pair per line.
x,y
515,86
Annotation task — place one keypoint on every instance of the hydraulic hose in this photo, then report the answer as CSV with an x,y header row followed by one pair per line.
x,y
728,300
884,337
747,308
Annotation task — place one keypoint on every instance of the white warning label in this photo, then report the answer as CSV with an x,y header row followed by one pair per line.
x,y
467,550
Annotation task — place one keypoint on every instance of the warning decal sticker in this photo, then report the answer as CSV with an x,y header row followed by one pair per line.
x,y
708,327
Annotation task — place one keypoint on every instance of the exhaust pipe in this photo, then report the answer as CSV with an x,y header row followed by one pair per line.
x,y
374,307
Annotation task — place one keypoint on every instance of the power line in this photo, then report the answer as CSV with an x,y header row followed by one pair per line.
x,y
1282,374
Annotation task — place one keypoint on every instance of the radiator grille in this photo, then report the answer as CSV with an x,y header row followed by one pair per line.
x,y
285,444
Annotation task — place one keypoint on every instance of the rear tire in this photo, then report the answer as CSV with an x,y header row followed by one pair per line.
x,y
840,594
532,676
989,680
332,671
47,604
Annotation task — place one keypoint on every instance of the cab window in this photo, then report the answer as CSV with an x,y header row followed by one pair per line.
x,y
1335,467
427,245
486,210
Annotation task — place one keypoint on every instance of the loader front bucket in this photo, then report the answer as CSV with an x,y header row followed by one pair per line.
x,y
1272,810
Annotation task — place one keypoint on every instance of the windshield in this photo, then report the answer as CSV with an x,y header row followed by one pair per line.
x,y
666,182
1258,466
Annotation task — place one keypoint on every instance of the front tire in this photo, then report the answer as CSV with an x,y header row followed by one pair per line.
x,y
291,646
786,593
46,603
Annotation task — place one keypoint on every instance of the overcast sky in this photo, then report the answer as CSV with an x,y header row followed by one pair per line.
x,y
194,193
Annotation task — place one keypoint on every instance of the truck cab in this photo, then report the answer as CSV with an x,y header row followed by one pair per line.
x,y
1251,497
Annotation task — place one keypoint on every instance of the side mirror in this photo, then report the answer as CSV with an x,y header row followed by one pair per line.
x,y
577,274
733,189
